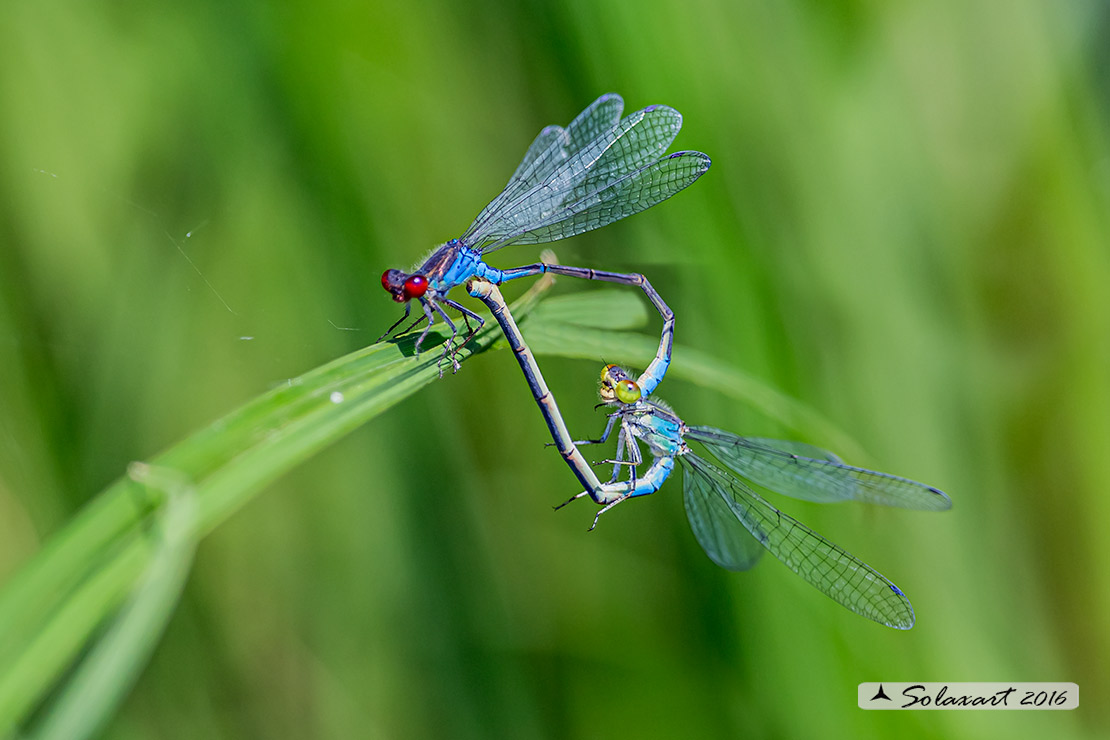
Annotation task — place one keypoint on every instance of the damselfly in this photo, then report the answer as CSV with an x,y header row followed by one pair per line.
x,y
599,169
731,522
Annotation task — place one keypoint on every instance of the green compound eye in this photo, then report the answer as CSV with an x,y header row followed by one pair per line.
x,y
628,391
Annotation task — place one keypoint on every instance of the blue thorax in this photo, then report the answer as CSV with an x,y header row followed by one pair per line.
x,y
455,263
660,430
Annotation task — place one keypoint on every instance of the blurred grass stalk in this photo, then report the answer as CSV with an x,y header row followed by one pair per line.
x,y
134,542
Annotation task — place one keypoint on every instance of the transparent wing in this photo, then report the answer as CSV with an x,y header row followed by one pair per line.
x,y
714,525
628,196
547,150
552,147
812,474
833,571
619,173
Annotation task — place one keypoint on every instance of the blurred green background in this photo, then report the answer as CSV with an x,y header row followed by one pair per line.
x,y
905,227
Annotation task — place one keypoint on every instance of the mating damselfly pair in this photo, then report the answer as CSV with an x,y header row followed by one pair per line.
x,y
599,169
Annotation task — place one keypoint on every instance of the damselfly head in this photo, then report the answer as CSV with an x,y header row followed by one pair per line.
x,y
404,287
617,387
613,373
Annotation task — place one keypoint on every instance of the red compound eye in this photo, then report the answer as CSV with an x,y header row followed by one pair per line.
x,y
415,286
391,278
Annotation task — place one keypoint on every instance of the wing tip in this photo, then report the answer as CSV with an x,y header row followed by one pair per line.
x,y
944,502
907,620
690,154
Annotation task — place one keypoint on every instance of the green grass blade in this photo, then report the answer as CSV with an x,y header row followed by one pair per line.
x,y
102,679
51,608
107,555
